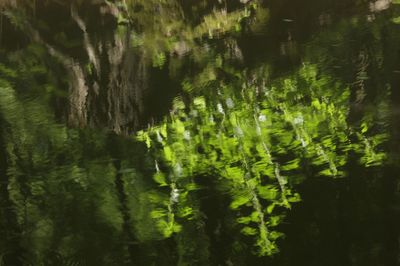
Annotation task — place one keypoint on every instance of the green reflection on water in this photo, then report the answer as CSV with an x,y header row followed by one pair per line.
x,y
213,181
258,140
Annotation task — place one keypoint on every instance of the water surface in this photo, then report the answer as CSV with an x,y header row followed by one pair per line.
x,y
143,132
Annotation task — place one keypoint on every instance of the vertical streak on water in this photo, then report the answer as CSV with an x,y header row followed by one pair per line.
x,y
34,8
124,208
1,27
262,226
12,234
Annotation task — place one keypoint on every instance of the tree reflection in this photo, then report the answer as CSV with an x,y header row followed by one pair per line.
x,y
212,183
108,84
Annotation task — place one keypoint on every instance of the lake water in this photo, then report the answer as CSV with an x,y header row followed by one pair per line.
x,y
149,132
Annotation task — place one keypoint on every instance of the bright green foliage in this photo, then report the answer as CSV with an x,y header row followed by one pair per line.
x,y
257,140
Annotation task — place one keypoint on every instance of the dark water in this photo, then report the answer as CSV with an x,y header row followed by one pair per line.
x,y
144,132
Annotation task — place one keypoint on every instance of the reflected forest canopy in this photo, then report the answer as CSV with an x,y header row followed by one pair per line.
x,y
199,132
